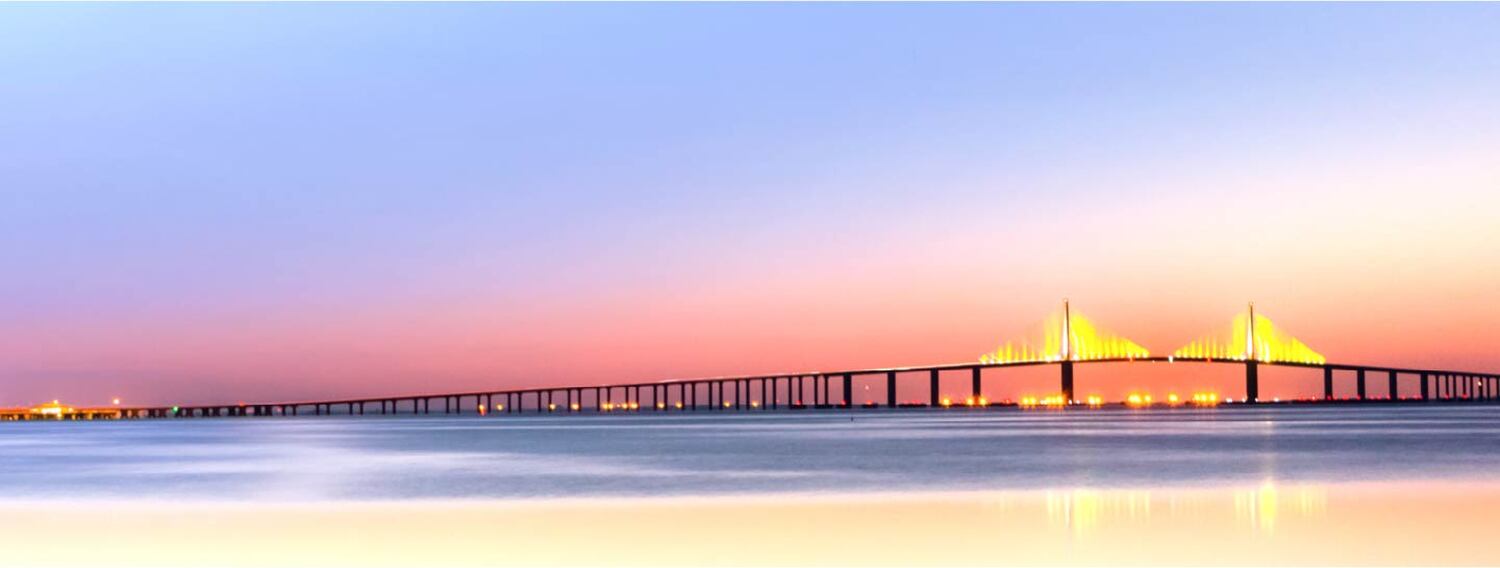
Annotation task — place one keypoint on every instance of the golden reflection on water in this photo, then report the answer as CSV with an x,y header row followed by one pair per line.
x,y
1084,511
1268,523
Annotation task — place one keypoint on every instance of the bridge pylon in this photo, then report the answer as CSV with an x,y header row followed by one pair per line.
x,y
1252,366
1067,353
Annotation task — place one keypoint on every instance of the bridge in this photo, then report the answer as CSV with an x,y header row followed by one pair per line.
x,y
1067,340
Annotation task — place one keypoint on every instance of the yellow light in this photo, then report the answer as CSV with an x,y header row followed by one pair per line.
x,y
115,402
661,405
984,401
499,407
969,401
551,406
635,406
1095,400
1084,342
726,404
1133,399
1269,344
947,402
574,406
679,405
754,404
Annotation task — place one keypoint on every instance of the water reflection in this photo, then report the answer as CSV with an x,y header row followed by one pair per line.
x,y
1259,508
1082,512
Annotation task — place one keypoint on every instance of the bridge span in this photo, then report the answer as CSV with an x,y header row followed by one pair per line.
x,y
817,390
1067,339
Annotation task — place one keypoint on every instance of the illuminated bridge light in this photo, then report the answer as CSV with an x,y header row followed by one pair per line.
x,y
1067,336
1252,336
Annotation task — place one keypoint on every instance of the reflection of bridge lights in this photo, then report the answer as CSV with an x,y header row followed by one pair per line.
x,y
1262,507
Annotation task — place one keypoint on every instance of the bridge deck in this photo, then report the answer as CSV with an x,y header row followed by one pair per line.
x,y
1437,384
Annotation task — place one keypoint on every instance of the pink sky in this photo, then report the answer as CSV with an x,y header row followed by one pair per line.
x,y
329,203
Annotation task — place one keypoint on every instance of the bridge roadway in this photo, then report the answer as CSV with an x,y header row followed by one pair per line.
x,y
792,388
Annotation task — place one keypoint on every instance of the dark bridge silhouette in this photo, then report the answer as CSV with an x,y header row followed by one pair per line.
x,y
1068,340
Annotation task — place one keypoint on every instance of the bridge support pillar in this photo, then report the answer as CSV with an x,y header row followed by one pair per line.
x,y
1425,392
975,387
932,387
1067,381
1359,377
1393,386
1327,383
890,389
1252,381
848,390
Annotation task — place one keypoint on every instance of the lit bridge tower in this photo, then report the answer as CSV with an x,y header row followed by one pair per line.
x,y
1067,353
1252,365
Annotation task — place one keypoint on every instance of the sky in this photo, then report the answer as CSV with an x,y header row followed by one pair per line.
x,y
257,202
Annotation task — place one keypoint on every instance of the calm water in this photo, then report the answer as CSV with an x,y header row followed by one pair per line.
x,y
471,457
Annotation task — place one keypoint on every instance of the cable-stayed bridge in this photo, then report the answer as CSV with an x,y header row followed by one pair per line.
x,y
1067,339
